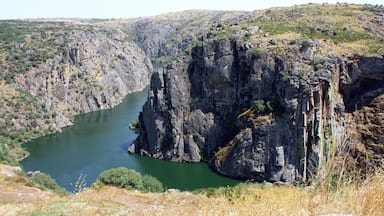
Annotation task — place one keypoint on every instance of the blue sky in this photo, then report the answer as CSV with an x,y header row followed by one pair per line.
x,y
13,9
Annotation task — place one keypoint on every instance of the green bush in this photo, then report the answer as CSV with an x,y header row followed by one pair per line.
x,y
151,184
135,126
130,179
285,76
46,182
255,53
259,106
5,156
263,107
305,45
122,177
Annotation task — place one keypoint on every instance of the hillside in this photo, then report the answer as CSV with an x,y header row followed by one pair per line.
x,y
51,71
57,68
54,69
287,95
245,199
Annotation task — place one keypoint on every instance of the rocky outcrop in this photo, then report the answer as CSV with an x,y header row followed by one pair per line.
x,y
363,91
275,116
275,112
52,71
102,69
94,71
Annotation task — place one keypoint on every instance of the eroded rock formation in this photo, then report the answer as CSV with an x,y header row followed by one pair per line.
x,y
103,69
258,115
94,71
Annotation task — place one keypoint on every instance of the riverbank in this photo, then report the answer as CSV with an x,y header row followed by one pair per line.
x,y
99,140
245,199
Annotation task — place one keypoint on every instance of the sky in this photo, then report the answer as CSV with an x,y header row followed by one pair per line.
x,y
21,9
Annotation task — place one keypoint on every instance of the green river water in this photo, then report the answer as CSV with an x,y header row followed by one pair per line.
x,y
98,141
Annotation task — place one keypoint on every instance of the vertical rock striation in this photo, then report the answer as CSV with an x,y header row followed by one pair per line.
x,y
275,116
94,70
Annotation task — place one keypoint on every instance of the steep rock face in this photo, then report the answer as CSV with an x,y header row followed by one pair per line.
x,y
253,115
94,71
362,86
51,71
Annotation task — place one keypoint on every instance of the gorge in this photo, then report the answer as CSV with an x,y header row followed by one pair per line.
x,y
98,141
269,95
260,116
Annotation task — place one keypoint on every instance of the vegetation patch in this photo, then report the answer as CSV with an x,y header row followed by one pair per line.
x,y
45,182
135,126
130,179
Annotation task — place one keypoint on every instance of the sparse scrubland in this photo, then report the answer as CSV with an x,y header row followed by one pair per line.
x,y
349,198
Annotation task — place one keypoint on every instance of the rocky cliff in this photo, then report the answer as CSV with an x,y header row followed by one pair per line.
x,y
94,71
267,94
260,115
51,71
274,95
178,32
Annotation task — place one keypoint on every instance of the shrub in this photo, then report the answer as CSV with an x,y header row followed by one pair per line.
x,y
151,184
130,179
122,177
305,45
3,151
264,107
5,155
135,126
259,106
232,193
46,182
255,53
285,76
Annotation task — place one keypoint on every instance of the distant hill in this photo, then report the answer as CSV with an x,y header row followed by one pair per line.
x,y
289,95
53,69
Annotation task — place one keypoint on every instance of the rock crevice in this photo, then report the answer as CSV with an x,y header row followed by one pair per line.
x,y
254,115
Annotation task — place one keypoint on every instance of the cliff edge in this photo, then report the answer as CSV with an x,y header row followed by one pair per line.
x,y
257,115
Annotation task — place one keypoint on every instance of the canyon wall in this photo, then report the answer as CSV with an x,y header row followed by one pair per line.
x,y
52,71
275,116
58,70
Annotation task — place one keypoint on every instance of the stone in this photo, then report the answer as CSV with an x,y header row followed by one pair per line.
x,y
273,42
90,74
253,29
208,110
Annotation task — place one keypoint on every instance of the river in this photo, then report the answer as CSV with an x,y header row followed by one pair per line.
x,y
98,141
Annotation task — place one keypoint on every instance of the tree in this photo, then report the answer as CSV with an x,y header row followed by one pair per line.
x,y
130,179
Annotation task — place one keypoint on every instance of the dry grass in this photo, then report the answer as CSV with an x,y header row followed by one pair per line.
x,y
364,198
359,46
244,199
252,200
